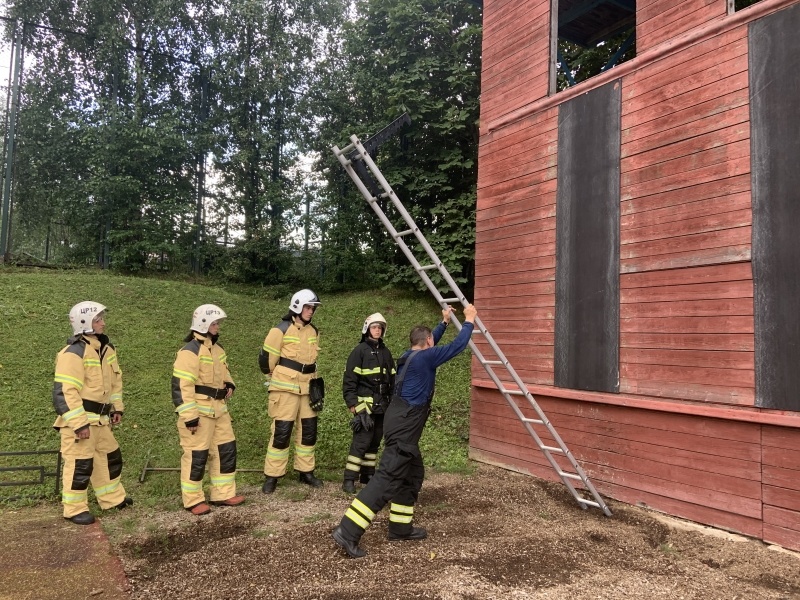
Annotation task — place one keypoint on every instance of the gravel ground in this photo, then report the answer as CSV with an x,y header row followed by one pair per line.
x,y
493,534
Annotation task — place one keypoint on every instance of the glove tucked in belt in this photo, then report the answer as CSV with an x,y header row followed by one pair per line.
x,y
216,394
297,366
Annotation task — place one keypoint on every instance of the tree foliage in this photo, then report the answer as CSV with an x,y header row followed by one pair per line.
x,y
133,110
423,58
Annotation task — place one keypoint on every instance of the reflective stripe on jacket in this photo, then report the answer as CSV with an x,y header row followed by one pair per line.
x,y
300,343
367,367
86,369
199,363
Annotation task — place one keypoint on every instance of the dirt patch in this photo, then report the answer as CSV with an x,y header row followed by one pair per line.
x,y
494,534
43,557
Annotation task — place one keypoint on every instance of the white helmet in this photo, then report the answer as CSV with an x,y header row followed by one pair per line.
x,y
373,318
301,298
82,314
205,315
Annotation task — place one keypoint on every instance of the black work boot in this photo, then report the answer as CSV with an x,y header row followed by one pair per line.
x,y
84,518
349,546
269,484
416,533
365,477
309,479
349,486
128,501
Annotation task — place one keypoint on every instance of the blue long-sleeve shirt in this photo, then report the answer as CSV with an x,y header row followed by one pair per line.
x,y
420,377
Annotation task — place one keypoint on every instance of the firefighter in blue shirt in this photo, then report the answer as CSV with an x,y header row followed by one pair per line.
x,y
401,471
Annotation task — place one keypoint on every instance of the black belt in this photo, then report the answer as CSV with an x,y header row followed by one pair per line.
x,y
296,366
97,407
210,391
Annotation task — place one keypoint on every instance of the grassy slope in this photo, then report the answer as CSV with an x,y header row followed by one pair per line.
x,y
147,320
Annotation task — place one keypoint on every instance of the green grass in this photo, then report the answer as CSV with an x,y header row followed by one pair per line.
x,y
147,320
315,518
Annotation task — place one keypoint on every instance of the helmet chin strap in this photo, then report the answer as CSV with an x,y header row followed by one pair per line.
x,y
300,316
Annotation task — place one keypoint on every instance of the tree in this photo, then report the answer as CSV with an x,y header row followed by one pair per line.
x,y
263,57
421,57
109,111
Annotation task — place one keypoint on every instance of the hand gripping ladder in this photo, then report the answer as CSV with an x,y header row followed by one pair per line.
x,y
356,160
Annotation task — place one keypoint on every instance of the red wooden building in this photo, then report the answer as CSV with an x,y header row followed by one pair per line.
x,y
638,254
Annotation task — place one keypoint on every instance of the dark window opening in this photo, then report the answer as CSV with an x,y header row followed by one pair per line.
x,y
734,5
592,36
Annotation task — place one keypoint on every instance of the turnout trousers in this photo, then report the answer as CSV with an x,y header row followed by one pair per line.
x,y
363,452
212,445
399,477
97,460
290,411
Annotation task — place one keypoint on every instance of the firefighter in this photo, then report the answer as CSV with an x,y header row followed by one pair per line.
x,y
87,396
201,388
367,388
289,355
400,476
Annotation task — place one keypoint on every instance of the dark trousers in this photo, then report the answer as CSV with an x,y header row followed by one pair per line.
x,y
366,443
401,471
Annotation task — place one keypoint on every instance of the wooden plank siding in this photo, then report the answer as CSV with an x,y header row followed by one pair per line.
x,y
687,321
515,243
702,469
679,184
688,333
781,483
662,20
515,61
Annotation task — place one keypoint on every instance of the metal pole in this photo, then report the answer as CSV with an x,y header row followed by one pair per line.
x,y
201,175
5,224
308,219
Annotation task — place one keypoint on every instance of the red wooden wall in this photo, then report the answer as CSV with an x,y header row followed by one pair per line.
x,y
516,38
661,20
683,436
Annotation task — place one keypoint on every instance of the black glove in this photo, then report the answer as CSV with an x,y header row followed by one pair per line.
x,y
366,420
316,394
355,424
360,421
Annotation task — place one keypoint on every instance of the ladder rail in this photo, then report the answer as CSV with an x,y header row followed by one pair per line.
x,y
531,431
384,219
408,219
356,151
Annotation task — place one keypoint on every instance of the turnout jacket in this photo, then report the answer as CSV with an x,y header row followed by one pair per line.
x,y
296,342
86,369
200,379
368,379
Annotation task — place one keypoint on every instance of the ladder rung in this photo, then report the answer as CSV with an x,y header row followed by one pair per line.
x,y
570,475
588,502
536,421
402,233
553,449
428,267
512,392
493,362
449,300
347,148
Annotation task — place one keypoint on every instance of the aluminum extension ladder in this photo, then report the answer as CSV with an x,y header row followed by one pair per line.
x,y
356,160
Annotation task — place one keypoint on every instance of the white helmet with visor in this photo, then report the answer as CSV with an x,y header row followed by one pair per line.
x,y
205,315
372,319
82,314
